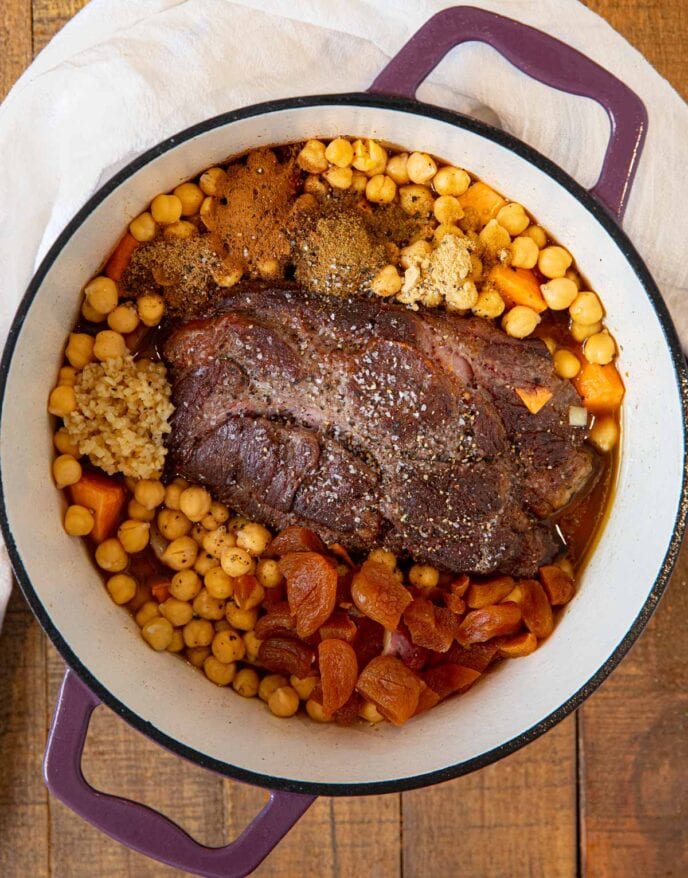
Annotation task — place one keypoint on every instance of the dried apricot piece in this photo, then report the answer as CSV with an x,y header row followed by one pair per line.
x,y
460,586
283,655
478,656
518,645
296,539
399,643
369,640
536,609
279,621
311,589
338,672
489,622
248,592
427,699
379,595
340,552
557,583
482,594
348,713
339,626
392,688
449,678
430,626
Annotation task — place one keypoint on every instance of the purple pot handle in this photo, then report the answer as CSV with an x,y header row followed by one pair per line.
x,y
544,58
139,827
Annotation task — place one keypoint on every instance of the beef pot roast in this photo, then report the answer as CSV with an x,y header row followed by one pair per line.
x,y
376,425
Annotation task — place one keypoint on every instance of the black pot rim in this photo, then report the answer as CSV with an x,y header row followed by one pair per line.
x,y
526,152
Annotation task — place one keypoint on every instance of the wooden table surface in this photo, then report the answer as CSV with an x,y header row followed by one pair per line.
x,y
602,795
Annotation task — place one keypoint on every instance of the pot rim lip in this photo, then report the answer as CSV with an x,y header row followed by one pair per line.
x,y
416,108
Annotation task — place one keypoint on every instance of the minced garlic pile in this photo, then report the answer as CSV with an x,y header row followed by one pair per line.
x,y
122,414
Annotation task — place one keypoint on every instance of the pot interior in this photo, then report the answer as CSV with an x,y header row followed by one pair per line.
x,y
176,702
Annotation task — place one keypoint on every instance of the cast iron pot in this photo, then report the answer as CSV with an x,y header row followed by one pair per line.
x,y
171,702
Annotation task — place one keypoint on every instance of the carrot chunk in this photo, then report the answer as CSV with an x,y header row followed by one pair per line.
x,y
518,286
104,497
534,399
483,199
119,260
600,387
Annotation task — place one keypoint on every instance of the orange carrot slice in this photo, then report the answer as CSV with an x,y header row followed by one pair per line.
x,y
534,399
483,199
600,387
104,497
119,260
518,286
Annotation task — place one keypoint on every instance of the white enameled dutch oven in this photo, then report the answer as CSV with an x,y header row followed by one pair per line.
x,y
167,699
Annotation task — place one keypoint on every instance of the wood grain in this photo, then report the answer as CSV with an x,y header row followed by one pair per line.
x,y
516,818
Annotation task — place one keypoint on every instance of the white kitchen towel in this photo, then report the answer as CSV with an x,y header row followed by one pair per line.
x,y
124,74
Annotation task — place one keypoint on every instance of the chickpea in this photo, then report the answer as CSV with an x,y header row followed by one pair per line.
x,y
143,228
451,181
67,376
78,521
180,553
385,557
524,252
494,237
550,344
218,584
149,610
198,632
236,522
195,503
236,562
312,157
207,213
586,308
185,585
173,524
369,712
151,308
513,218
600,348
317,712
559,293
166,209
158,633
447,209
134,535
205,562
339,152
315,186
172,494
191,197
446,229
79,350
196,655
124,318
553,261
211,181
420,167
208,607
177,642
62,401
416,200
359,181
575,277
218,672
268,573
121,588
198,533
520,321
418,251
179,613
581,331
89,313
253,599
66,470
110,556
369,157
303,686
339,178
381,189
252,644
228,646
424,576
246,683
283,702
149,493
219,512
396,168
64,444
242,620
566,364
219,540
538,234
490,304
269,684
387,282
604,433
180,231
101,294
109,345
269,269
